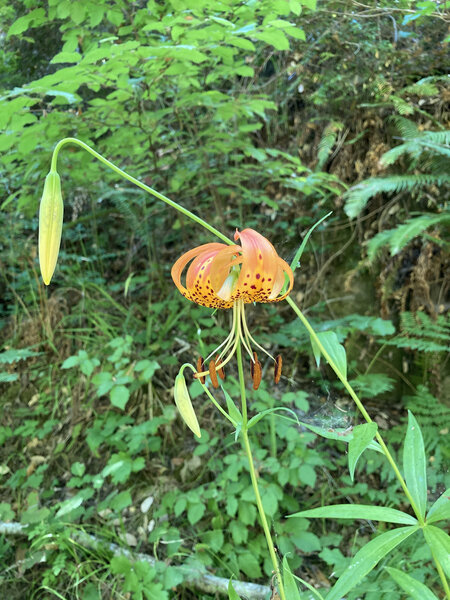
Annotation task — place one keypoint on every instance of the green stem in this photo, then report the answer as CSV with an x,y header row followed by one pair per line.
x,y
131,179
248,451
360,406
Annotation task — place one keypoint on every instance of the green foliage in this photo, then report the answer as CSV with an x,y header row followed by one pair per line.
x,y
248,114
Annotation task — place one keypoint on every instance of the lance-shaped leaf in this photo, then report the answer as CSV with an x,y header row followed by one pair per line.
x,y
362,437
358,511
232,595
335,350
439,542
366,559
414,464
414,588
50,225
290,586
440,509
184,404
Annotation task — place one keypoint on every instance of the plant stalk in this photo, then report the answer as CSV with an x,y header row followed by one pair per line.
x,y
253,477
361,408
138,183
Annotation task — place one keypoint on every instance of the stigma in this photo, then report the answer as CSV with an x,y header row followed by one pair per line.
x,y
239,334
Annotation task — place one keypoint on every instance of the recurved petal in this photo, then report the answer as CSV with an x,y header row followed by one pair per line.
x,y
260,266
283,268
181,263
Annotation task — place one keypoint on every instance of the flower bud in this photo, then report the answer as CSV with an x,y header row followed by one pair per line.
x,y
184,404
50,225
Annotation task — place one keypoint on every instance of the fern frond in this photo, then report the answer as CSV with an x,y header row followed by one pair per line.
x,y
406,128
428,141
326,143
431,414
420,332
421,88
399,236
357,197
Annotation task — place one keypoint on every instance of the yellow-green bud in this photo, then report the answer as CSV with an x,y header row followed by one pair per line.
x,y
184,404
50,225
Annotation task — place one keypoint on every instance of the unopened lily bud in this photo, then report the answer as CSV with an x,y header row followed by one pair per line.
x,y
184,404
50,225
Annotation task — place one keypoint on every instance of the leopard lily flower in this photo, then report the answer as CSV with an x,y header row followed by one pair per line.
x,y
222,276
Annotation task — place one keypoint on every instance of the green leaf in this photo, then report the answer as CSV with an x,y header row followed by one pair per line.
x,y
440,509
66,57
296,260
249,564
35,17
335,350
121,501
311,4
439,542
69,505
233,411
195,513
414,588
119,396
275,37
362,436
366,559
231,592
290,586
414,464
358,511
70,362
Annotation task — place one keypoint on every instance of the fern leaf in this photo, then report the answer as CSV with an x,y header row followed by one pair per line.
x,y
401,235
405,127
326,143
358,196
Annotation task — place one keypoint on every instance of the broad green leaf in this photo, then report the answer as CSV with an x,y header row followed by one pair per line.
x,y
290,586
273,36
358,511
366,559
414,464
414,588
335,350
439,542
232,595
440,509
119,396
362,436
311,4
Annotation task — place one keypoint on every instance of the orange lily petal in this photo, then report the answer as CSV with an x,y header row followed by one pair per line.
x,y
212,281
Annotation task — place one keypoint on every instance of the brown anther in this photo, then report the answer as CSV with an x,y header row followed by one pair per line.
x,y
220,371
256,371
200,369
277,368
213,373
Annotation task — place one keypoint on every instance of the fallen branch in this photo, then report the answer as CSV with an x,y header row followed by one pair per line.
x,y
204,582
